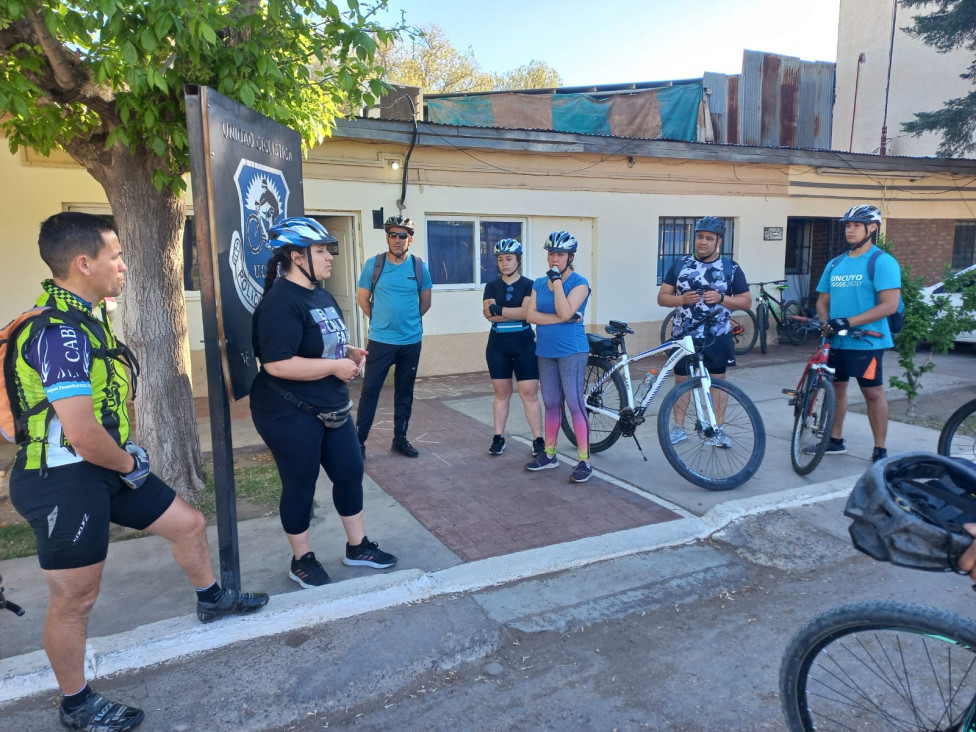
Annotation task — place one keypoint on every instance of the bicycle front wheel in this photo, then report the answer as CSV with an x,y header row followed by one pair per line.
x,y
253,234
958,436
816,407
743,330
762,323
715,461
604,430
794,331
881,665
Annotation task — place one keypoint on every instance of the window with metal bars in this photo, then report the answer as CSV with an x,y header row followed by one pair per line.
x,y
676,239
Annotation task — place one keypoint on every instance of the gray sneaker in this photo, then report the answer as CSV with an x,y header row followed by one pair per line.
x,y
720,439
677,434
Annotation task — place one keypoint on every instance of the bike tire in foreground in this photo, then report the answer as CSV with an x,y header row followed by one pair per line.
x,y
881,665
604,430
697,458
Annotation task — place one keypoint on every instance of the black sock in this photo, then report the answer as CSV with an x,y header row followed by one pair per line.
x,y
75,701
210,594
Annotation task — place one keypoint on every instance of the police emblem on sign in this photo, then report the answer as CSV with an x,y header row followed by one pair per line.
x,y
263,198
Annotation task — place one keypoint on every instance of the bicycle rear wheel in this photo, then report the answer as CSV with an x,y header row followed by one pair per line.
x,y
958,436
699,457
743,330
796,333
881,665
604,430
816,407
666,327
762,323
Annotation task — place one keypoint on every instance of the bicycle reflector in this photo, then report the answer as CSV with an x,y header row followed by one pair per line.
x,y
909,510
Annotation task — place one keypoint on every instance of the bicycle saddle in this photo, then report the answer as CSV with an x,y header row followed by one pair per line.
x,y
617,327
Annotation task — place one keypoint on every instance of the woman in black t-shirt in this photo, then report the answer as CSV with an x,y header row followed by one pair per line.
x,y
300,398
511,345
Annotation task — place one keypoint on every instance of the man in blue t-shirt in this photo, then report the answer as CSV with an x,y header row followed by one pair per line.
x,y
849,296
395,307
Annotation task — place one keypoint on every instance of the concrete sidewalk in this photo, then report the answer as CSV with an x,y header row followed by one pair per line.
x,y
457,518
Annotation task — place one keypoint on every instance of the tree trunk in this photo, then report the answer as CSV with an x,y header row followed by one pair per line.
x,y
150,225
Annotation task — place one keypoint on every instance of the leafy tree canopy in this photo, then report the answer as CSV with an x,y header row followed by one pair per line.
x,y
113,71
951,25
430,61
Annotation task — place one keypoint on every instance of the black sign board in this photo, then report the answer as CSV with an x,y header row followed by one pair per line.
x,y
246,172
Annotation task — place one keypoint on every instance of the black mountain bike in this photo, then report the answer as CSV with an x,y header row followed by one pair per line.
x,y
766,305
958,436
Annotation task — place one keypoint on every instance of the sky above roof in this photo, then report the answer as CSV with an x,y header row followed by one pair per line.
x,y
618,41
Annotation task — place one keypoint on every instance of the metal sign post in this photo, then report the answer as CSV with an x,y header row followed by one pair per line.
x,y
246,174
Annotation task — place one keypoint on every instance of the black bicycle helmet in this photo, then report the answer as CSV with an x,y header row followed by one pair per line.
x,y
507,246
909,510
401,222
300,232
712,224
862,214
560,241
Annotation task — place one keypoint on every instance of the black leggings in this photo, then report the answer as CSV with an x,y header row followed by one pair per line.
x,y
300,443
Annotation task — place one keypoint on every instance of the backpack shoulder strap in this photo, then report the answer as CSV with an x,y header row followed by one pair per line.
x,y
418,271
872,263
378,261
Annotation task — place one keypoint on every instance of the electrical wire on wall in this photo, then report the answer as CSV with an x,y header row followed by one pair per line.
x,y
402,201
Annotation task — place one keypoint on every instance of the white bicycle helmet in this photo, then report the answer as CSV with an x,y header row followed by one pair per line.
x,y
300,232
507,246
560,241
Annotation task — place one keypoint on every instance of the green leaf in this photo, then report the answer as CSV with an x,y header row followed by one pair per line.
x,y
148,40
247,95
207,32
129,53
345,79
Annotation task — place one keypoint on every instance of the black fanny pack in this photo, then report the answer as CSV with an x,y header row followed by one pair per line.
x,y
332,419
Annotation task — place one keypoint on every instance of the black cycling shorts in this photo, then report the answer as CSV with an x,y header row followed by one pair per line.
x,y
512,352
718,355
865,366
70,510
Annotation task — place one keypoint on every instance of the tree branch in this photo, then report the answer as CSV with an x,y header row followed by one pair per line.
x,y
65,74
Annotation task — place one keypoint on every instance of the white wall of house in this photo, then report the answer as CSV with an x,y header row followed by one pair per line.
x,y
922,79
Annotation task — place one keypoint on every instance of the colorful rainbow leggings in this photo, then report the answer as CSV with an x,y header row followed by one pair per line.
x,y
563,377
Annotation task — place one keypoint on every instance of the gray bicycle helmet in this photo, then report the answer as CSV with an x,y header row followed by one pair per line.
x,y
862,214
909,510
300,232
507,246
560,241
400,222
711,223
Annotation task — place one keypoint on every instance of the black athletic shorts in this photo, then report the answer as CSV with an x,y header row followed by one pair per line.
x,y
718,355
865,366
70,510
508,352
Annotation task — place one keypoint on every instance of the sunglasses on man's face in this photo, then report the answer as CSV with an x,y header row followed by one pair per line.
x,y
397,234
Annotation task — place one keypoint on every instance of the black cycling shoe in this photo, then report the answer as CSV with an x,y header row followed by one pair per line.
x,y
402,445
98,714
231,602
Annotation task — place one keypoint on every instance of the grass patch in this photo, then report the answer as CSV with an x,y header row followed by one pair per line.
x,y
257,486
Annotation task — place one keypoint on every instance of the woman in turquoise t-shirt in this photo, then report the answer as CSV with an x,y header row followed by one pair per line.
x,y
556,307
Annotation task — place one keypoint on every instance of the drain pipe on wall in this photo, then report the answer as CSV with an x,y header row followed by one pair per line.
x,y
891,52
857,79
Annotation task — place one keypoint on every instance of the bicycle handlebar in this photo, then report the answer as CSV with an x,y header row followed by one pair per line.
x,y
814,324
773,282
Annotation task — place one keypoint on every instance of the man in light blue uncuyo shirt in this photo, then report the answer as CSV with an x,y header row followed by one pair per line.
x,y
395,307
851,297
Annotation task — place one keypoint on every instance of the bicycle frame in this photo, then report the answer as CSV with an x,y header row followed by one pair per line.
x,y
767,298
817,364
679,348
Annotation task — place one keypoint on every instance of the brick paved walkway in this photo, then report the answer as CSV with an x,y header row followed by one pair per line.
x,y
480,505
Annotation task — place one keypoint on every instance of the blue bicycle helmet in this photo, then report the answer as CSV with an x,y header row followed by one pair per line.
x,y
862,214
711,223
300,232
560,241
507,246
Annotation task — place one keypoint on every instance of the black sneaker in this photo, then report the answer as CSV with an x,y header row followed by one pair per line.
x,y
538,446
879,453
231,602
368,554
308,572
497,445
836,447
98,714
402,445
